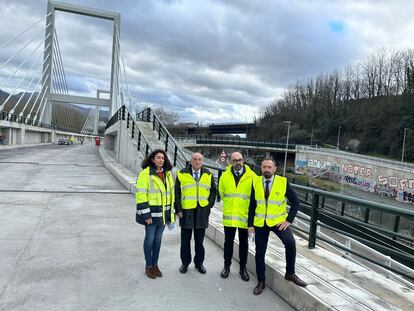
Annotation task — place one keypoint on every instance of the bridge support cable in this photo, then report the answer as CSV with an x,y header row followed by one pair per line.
x,y
57,85
39,82
43,102
16,87
117,36
60,64
26,89
40,92
24,31
28,86
60,87
117,46
89,125
22,78
21,49
18,68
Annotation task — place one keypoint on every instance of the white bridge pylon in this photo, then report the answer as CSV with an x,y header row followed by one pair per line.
x,y
97,102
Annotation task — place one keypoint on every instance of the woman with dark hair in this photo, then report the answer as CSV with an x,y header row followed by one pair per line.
x,y
155,202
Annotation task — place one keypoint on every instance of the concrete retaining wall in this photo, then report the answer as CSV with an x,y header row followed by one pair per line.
x,y
377,177
118,141
22,134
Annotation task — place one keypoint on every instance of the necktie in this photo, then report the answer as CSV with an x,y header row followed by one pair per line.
x,y
267,191
196,176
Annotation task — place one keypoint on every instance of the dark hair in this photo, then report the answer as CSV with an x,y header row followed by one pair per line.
x,y
148,160
269,159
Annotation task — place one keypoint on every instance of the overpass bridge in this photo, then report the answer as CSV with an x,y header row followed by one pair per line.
x,y
221,128
69,240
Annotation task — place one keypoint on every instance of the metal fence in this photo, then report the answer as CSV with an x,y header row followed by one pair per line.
x,y
358,219
6,116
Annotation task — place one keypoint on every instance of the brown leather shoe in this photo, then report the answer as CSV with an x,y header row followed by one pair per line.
x,y
149,271
259,288
295,279
157,272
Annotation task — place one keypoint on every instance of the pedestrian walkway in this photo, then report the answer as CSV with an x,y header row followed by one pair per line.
x,y
69,242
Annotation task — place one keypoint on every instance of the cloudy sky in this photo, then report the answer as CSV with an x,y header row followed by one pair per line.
x,y
212,61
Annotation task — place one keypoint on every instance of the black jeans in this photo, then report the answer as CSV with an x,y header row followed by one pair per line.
x,y
262,236
229,234
185,250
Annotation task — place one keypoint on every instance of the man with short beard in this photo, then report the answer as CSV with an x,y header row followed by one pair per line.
x,y
235,186
267,212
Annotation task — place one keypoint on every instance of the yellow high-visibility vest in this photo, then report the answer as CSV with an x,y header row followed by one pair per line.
x,y
236,200
193,192
150,188
273,210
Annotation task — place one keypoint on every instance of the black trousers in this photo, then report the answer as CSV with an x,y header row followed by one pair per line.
x,y
229,234
262,236
185,250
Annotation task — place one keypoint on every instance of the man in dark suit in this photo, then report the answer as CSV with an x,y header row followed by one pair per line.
x,y
195,195
268,213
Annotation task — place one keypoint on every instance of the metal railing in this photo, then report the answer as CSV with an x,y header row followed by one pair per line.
x,y
137,135
6,116
389,242
171,147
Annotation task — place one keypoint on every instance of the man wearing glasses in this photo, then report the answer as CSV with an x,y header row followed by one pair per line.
x,y
235,187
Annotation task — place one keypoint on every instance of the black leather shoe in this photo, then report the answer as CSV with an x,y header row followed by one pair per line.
x,y
259,288
244,275
183,268
295,279
201,269
225,272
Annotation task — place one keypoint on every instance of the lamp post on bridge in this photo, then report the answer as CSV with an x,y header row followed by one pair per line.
x,y
287,142
337,141
311,137
403,146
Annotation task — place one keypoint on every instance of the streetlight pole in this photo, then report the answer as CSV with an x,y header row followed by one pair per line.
x,y
311,137
403,147
337,141
287,142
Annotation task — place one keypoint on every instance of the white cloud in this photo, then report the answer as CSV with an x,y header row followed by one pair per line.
x,y
215,60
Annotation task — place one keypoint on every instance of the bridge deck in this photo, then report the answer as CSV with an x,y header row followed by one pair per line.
x,y
76,246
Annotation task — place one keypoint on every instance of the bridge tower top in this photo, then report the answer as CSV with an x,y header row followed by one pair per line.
x,y
52,7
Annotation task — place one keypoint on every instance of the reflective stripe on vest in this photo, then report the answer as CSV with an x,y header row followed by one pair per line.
x,y
235,218
236,195
143,211
236,199
271,202
193,192
269,216
271,211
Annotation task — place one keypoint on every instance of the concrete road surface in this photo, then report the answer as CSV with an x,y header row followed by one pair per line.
x,y
68,241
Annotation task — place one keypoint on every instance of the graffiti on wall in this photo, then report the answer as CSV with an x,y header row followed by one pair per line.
x,y
405,196
323,169
361,183
301,166
357,170
315,168
360,176
385,191
395,182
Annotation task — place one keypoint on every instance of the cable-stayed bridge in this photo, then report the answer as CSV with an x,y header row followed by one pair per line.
x,y
68,238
